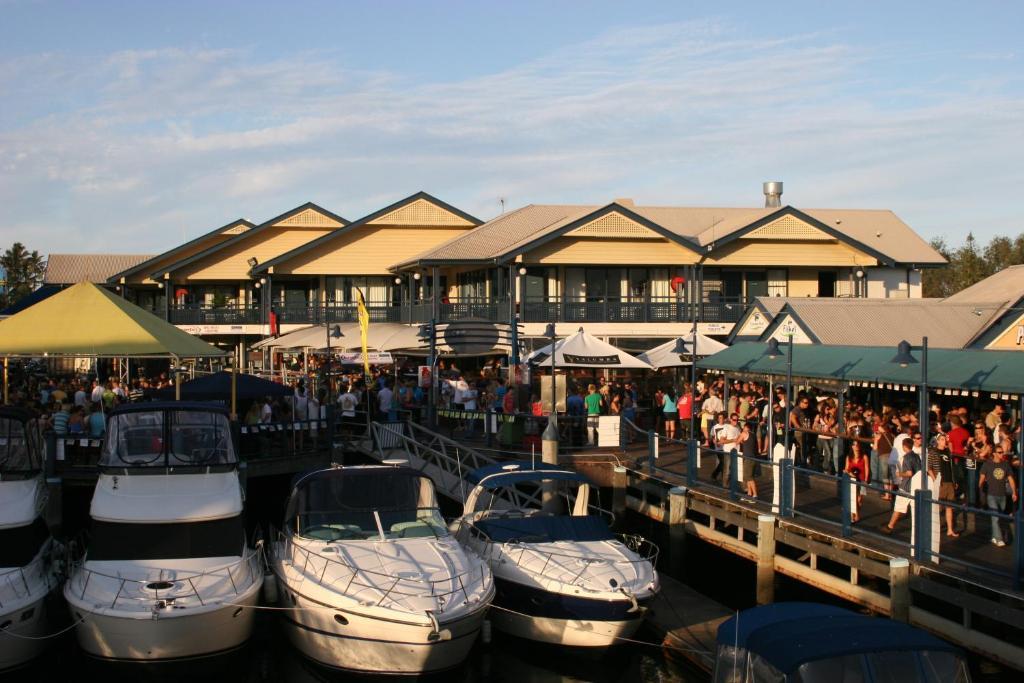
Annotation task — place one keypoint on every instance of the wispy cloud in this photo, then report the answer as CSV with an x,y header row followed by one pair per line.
x,y
141,143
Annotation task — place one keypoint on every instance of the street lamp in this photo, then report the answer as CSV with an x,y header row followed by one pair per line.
x,y
551,432
774,352
335,333
905,358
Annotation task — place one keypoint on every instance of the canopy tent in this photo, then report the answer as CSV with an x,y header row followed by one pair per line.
x,y
380,337
666,356
993,371
86,320
582,350
218,387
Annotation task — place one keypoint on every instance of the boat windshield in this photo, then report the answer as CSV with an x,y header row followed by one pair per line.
x,y
20,446
370,503
168,438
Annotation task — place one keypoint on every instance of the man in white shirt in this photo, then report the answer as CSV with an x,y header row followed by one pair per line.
x,y
384,398
727,435
97,392
348,402
266,412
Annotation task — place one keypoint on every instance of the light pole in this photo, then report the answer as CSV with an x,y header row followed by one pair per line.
x,y
774,352
904,358
549,332
332,332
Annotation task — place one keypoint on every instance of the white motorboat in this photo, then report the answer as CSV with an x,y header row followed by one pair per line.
x,y
375,581
168,573
561,575
28,573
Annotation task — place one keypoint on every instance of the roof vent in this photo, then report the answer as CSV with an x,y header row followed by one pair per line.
x,y
772,194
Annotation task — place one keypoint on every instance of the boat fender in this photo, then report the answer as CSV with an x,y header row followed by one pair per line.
x,y
485,632
437,634
270,588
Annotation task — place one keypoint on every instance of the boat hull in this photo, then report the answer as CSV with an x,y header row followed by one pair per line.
x,y
375,645
27,622
201,633
570,620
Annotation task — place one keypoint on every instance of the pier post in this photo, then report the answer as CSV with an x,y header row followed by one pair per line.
x,y
765,559
786,487
652,449
845,495
899,589
677,528
734,474
692,457
619,480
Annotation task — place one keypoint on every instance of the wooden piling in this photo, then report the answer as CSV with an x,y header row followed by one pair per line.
x,y
899,589
620,477
677,528
765,559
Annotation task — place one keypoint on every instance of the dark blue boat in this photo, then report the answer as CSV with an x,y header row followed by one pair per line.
x,y
803,642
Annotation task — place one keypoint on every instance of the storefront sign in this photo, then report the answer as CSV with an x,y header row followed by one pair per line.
x,y
570,359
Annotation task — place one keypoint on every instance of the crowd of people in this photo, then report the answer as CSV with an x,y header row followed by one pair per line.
x,y
974,453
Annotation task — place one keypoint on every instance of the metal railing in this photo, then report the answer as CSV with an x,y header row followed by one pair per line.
x,y
631,309
170,588
33,580
801,493
204,314
389,585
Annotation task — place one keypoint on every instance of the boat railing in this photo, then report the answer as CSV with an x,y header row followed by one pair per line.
x,y
21,582
168,587
389,584
525,549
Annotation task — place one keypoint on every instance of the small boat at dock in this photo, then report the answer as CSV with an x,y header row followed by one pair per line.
x,y
168,573
561,575
803,642
28,572
374,580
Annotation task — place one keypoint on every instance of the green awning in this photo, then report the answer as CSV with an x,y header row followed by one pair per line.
x,y
992,371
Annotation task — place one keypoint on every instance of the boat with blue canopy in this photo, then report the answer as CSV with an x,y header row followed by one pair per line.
x,y
562,576
803,642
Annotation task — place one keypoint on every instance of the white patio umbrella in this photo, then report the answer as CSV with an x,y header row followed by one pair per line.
x,y
583,350
666,355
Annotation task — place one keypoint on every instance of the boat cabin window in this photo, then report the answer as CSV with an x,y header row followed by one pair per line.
x,y
127,541
901,666
171,438
19,446
337,505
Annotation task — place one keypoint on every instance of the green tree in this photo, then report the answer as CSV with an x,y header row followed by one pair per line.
x,y
23,272
935,281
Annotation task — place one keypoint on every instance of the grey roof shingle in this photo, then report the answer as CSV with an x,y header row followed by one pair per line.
x,y
886,322
880,230
68,269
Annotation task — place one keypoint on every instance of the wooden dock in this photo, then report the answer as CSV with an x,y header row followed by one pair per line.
x,y
687,622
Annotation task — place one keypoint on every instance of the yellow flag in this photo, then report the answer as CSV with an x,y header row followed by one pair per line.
x,y
364,329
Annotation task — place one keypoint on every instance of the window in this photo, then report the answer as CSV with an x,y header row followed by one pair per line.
x,y
123,541
141,439
17,453
473,285
777,285
377,290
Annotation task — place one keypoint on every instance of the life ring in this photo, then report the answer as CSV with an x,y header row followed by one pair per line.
x,y
675,282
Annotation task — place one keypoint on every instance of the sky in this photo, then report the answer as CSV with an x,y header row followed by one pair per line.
x,y
131,126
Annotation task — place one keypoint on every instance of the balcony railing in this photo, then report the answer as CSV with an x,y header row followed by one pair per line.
x,y
617,309
203,314
532,310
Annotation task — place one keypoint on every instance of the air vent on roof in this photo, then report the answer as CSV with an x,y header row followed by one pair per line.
x,y
772,194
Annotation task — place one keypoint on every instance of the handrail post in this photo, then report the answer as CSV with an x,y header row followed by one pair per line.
x,y
846,498
691,461
652,449
922,525
786,487
734,481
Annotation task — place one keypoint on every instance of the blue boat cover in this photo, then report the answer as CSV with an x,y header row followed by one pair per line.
x,y
518,471
544,529
217,386
789,634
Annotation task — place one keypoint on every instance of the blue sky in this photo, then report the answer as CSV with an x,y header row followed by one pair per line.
x,y
129,126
